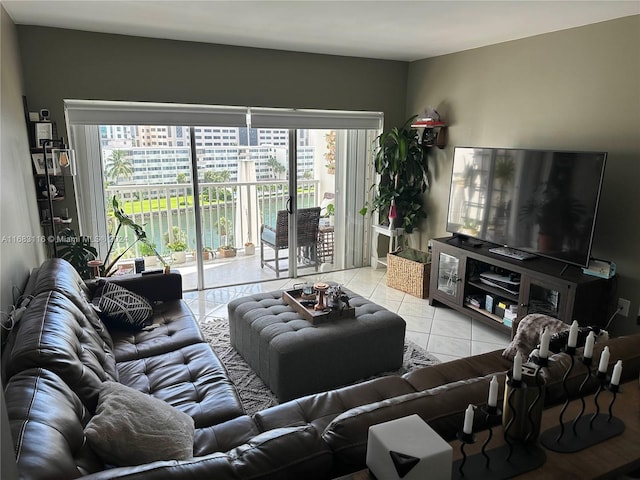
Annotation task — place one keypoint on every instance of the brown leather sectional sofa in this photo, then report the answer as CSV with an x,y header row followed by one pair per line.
x,y
60,352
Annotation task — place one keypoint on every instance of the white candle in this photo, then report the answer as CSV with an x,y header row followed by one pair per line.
x,y
493,392
573,334
604,360
617,371
544,344
468,420
588,346
517,366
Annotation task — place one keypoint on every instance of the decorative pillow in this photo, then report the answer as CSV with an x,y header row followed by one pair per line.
x,y
132,428
123,308
528,334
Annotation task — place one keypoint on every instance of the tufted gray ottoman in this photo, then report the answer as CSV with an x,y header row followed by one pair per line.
x,y
294,357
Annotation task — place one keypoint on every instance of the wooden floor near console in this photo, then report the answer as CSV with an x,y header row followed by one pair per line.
x,y
606,460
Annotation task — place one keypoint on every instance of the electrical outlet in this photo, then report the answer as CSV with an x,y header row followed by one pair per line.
x,y
623,307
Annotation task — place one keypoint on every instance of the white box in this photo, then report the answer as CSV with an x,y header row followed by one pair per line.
x,y
414,441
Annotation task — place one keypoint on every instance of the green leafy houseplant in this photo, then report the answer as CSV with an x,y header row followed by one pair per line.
x,y
147,249
77,250
227,251
179,242
401,162
331,210
124,220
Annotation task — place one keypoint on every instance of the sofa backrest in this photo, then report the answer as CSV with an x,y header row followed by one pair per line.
x,y
56,274
47,423
54,334
441,407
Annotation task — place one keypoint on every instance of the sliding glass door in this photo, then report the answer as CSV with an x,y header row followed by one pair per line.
x,y
258,195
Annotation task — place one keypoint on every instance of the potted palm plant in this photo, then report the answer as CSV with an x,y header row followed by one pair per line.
x,y
401,162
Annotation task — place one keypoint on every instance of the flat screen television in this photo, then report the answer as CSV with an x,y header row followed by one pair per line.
x,y
537,201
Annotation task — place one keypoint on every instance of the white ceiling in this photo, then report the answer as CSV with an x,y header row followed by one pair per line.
x,y
391,29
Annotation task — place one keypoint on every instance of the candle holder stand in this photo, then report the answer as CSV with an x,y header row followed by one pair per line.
x,y
586,432
587,363
516,456
465,439
524,400
492,465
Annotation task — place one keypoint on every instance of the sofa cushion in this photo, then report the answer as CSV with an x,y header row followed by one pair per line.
x,y
173,326
224,436
122,308
47,420
131,428
191,378
54,334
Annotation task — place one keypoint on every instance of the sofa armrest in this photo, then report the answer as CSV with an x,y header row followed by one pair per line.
x,y
155,287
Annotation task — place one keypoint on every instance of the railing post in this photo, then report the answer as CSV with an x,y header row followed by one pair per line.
x,y
169,219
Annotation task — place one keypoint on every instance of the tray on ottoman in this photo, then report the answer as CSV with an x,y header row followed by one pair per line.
x,y
293,299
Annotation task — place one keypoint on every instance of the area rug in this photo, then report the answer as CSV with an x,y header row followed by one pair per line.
x,y
254,394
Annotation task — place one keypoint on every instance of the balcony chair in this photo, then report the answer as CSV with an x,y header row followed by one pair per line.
x,y
278,238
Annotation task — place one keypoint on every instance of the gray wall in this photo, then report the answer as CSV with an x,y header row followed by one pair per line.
x,y
19,219
577,89
18,216
118,67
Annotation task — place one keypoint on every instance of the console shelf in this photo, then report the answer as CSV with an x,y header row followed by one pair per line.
x,y
543,285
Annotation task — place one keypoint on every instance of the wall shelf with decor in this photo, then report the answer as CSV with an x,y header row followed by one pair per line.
x,y
53,166
467,277
434,132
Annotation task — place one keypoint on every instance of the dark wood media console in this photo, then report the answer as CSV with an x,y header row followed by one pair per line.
x,y
539,285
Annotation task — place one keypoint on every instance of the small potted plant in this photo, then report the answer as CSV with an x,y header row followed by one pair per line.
x,y
207,253
177,246
227,251
249,248
331,212
147,250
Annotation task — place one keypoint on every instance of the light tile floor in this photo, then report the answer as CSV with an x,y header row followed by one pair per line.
x,y
443,332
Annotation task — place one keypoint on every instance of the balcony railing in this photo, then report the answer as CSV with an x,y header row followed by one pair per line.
x,y
231,213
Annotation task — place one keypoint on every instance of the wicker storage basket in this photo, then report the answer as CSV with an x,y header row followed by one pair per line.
x,y
410,275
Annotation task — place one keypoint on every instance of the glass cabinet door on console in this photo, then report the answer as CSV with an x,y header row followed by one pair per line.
x,y
544,297
450,275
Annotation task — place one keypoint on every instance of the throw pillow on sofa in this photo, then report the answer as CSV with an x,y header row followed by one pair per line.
x,y
132,428
122,308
